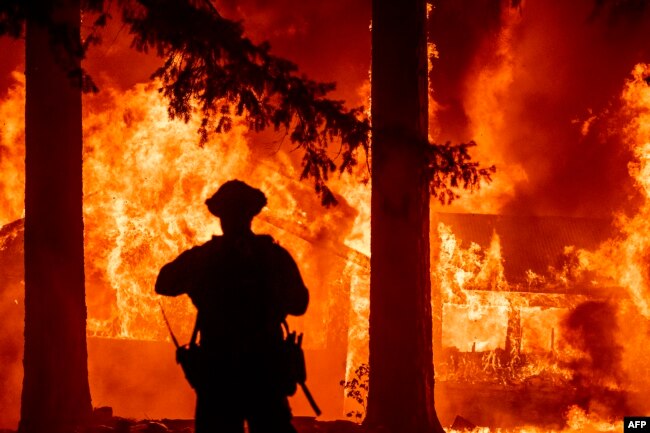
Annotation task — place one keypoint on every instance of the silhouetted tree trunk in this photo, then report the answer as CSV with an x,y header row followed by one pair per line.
x,y
401,360
56,395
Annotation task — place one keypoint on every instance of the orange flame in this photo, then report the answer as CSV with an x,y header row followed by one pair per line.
x,y
12,152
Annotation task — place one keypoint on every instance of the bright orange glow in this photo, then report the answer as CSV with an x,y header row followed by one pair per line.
x,y
12,152
145,183
146,179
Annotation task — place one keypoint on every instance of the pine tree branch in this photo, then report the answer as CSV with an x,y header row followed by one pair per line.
x,y
450,168
212,68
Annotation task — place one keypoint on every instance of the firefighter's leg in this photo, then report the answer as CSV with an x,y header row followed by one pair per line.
x,y
270,414
217,413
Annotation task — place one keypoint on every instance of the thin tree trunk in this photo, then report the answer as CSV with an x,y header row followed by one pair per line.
x,y
56,395
401,361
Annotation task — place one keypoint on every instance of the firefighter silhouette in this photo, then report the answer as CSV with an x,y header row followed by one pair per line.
x,y
243,286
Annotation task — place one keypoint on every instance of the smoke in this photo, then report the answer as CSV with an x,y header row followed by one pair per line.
x,y
537,88
330,41
592,329
13,54
535,85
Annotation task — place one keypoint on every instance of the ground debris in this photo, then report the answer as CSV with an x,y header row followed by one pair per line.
x,y
462,424
149,427
311,425
125,425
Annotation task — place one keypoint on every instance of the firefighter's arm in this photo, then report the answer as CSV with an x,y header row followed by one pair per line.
x,y
296,297
181,275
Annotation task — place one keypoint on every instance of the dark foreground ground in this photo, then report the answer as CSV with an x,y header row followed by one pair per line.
x,y
123,425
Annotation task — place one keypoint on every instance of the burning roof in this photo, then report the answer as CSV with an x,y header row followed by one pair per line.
x,y
528,243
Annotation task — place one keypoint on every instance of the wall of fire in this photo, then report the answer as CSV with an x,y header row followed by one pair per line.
x,y
555,94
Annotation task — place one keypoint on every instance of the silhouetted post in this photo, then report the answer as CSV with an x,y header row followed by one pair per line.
x,y
56,394
513,333
552,351
401,361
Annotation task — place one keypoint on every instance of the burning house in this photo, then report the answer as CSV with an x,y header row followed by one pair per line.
x,y
530,257
508,289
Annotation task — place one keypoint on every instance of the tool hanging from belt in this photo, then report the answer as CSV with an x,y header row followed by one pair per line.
x,y
189,356
295,363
